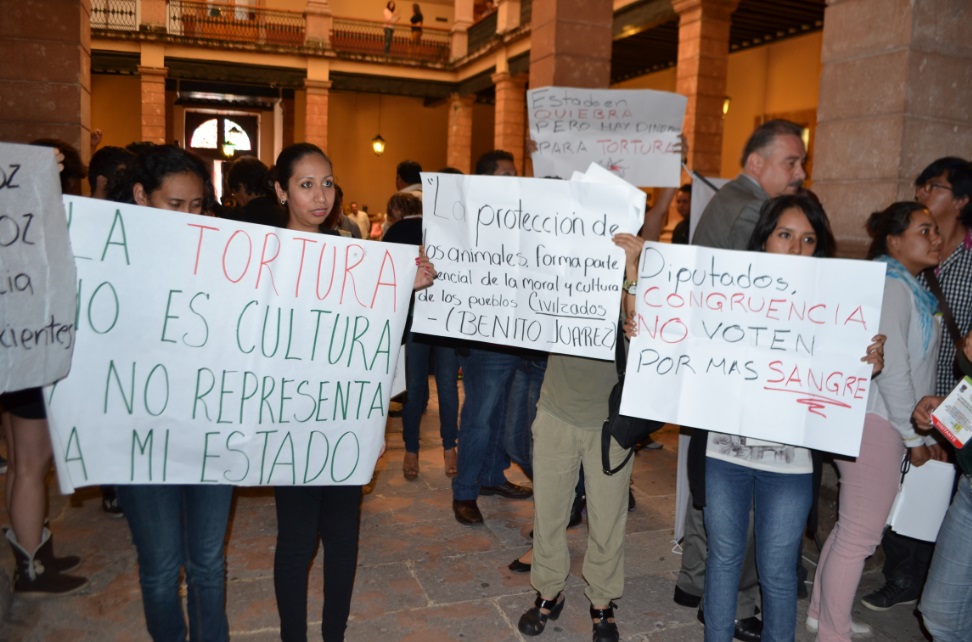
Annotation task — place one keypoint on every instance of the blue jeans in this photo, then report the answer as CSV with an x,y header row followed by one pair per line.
x,y
781,504
946,603
486,377
521,410
418,349
178,526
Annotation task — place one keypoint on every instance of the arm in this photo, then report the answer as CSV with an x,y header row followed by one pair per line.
x,y
895,384
632,246
655,217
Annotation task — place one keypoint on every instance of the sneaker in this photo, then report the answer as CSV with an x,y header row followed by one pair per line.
x,y
891,594
858,629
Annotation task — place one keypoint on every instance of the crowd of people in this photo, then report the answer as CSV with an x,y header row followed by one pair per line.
x,y
751,500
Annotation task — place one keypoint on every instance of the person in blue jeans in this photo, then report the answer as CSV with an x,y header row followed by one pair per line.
x,y
946,602
175,527
405,209
773,480
521,409
178,526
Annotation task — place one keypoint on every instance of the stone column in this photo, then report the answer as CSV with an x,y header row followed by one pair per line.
x,y
507,15
154,16
459,144
571,43
316,111
460,26
892,100
510,134
47,76
153,103
703,59
318,22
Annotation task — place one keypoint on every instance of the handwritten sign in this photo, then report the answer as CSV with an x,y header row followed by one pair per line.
x,y
526,262
212,351
633,133
760,345
37,305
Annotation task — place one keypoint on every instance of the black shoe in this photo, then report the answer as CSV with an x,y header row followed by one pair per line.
x,y
533,622
508,489
467,512
749,629
605,631
519,567
684,598
577,510
892,594
109,502
631,501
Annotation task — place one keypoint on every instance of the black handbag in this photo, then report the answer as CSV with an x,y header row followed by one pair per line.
x,y
627,431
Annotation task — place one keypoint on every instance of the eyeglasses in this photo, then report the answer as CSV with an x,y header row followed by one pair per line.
x,y
930,186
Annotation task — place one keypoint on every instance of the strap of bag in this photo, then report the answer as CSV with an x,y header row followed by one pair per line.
x,y
605,455
932,280
957,339
620,364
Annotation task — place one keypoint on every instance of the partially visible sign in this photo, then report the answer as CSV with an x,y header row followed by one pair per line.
x,y
37,275
633,133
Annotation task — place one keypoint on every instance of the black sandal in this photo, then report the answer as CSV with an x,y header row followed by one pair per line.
x,y
534,621
605,631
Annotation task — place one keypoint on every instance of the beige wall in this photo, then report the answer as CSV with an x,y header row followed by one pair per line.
x,y
775,79
411,131
116,107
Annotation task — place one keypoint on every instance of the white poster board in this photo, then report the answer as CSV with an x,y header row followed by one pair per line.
x,y
701,195
526,262
212,351
754,344
631,132
37,276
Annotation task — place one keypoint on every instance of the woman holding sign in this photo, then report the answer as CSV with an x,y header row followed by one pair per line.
x,y
304,183
906,239
176,526
773,480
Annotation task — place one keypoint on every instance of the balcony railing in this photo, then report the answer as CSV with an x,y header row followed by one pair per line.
x,y
368,37
235,23
118,15
481,33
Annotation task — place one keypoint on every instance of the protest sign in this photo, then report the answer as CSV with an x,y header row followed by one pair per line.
x,y
760,345
631,132
37,303
212,351
526,262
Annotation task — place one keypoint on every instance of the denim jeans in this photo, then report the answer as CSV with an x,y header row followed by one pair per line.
x,y
946,603
389,32
521,410
486,375
179,526
418,349
306,514
781,503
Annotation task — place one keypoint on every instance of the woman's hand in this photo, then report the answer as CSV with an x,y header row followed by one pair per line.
x,y
632,246
967,346
922,413
919,455
875,354
426,273
631,327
